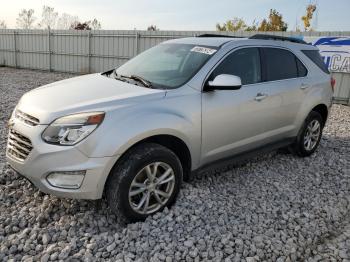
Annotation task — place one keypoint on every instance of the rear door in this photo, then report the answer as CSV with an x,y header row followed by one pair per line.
x,y
283,82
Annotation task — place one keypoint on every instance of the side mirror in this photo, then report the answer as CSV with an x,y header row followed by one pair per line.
x,y
224,82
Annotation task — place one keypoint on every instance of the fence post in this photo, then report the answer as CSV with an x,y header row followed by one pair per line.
x,y
137,36
49,48
15,47
89,50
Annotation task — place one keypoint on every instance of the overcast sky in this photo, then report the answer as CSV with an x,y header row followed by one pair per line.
x,y
183,14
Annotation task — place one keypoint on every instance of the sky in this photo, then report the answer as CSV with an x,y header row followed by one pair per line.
x,y
333,15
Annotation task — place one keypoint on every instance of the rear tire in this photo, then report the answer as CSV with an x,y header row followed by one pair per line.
x,y
309,135
144,181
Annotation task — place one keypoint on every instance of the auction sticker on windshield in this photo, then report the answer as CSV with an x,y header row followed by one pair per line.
x,y
203,50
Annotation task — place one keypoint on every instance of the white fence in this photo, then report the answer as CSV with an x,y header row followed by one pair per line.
x,y
95,51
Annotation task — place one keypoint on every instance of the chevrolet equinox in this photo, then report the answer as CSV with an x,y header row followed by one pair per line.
x,y
134,133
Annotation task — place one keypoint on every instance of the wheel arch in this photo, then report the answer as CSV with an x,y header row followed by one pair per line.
x,y
175,144
172,142
322,109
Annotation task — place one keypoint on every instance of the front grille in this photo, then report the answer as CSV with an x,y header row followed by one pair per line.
x,y
18,146
27,119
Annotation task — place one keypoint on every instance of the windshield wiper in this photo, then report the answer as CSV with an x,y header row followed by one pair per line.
x,y
113,73
137,78
140,79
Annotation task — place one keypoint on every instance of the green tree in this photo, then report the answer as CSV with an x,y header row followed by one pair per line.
x,y
152,28
233,25
80,26
253,27
88,25
273,23
310,10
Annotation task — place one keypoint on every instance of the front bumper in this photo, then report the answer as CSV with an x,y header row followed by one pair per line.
x,y
45,158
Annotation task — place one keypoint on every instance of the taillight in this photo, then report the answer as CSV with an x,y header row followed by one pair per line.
x,y
333,83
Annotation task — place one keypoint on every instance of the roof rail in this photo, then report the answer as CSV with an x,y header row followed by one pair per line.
x,y
279,38
218,35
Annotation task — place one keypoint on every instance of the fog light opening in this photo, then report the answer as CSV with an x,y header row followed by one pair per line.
x,y
66,179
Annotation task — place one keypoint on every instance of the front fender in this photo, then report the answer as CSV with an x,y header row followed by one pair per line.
x,y
120,133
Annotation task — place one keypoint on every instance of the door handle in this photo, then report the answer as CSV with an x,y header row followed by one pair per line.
x,y
260,96
304,86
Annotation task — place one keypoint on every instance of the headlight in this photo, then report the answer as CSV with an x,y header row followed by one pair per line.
x,y
13,112
71,129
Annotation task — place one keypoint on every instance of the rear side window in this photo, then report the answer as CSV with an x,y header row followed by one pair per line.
x,y
302,71
244,63
315,57
279,64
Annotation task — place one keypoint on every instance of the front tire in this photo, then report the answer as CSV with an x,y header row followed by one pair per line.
x,y
309,135
144,181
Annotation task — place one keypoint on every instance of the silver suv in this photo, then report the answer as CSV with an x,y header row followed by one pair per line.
x,y
133,134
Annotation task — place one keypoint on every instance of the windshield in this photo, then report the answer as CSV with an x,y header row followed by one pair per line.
x,y
167,65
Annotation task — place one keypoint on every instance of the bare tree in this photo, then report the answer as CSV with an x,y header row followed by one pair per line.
x,y
94,24
65,21
25,19
48,18
3,24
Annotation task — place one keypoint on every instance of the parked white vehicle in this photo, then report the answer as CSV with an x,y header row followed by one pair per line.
x,y
134,133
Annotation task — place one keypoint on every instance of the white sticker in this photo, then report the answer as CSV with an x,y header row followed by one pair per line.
x,y
203,50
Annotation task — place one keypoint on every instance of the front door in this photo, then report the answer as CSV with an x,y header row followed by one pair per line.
x,y
234,120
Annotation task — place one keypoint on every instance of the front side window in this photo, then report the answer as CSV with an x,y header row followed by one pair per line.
x,y
168,65
244,63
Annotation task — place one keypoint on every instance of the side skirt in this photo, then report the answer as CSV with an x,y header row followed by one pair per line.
x,y
228,162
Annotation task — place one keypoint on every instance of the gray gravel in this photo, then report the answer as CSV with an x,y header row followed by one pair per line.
x,y
276,207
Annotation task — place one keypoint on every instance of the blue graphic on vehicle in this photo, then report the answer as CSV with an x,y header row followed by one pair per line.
x,y
335,52
332,41
336,60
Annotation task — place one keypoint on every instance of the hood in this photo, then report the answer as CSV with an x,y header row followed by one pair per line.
x,y
80,94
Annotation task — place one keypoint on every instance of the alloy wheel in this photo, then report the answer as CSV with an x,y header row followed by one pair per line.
x,y
312,135
151,188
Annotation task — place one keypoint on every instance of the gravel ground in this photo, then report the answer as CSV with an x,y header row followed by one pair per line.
x,y
276,207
